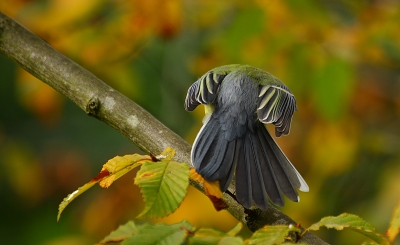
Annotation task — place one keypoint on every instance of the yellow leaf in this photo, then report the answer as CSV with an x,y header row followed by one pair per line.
x,y
72,196
394,228
120,162
105,183
167,154
112,170
117,167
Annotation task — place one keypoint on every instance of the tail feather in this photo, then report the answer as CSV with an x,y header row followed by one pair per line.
x,y
277,163
271,180
289,171
262,170
215,158
226,180
202,144
212,154
243,180
221,170
259,187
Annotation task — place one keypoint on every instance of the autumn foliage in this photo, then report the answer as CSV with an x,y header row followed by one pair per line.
x,y
340,59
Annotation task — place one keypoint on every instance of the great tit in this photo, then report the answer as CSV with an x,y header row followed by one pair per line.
x,y
234,141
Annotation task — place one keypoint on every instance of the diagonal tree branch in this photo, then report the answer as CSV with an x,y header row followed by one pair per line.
x,y
101,101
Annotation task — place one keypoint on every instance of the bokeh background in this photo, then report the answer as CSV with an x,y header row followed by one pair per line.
x,y
340,58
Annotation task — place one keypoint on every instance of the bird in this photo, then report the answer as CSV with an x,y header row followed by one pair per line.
x,y
234,144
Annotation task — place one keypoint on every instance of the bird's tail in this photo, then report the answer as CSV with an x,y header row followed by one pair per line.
x,y
212,155
266,171
261,169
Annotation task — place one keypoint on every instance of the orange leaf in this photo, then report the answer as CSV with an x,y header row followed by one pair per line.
x,y
211,189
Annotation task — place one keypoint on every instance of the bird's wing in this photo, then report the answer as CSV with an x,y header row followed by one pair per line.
x,y
276,105
204,90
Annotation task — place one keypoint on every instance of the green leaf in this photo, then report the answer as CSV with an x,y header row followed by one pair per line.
x,y
276,234
394,227
121,233
160,234
208,236
231,241
112,170
351,222
235,230
163,186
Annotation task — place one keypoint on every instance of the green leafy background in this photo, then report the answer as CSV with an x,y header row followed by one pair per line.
x,y
340,58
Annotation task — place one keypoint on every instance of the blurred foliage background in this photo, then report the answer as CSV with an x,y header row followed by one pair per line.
x,y
340,58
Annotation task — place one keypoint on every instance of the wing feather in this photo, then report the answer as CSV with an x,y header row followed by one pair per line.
x,y
276,105
203,91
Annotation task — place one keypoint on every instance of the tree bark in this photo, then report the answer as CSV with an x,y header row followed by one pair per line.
x,y
104,103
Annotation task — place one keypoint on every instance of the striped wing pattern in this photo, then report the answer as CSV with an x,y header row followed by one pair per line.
x,y
203,91
276,105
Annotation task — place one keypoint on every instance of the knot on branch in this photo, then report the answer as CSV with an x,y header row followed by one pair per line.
x,y
93,106
251,216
